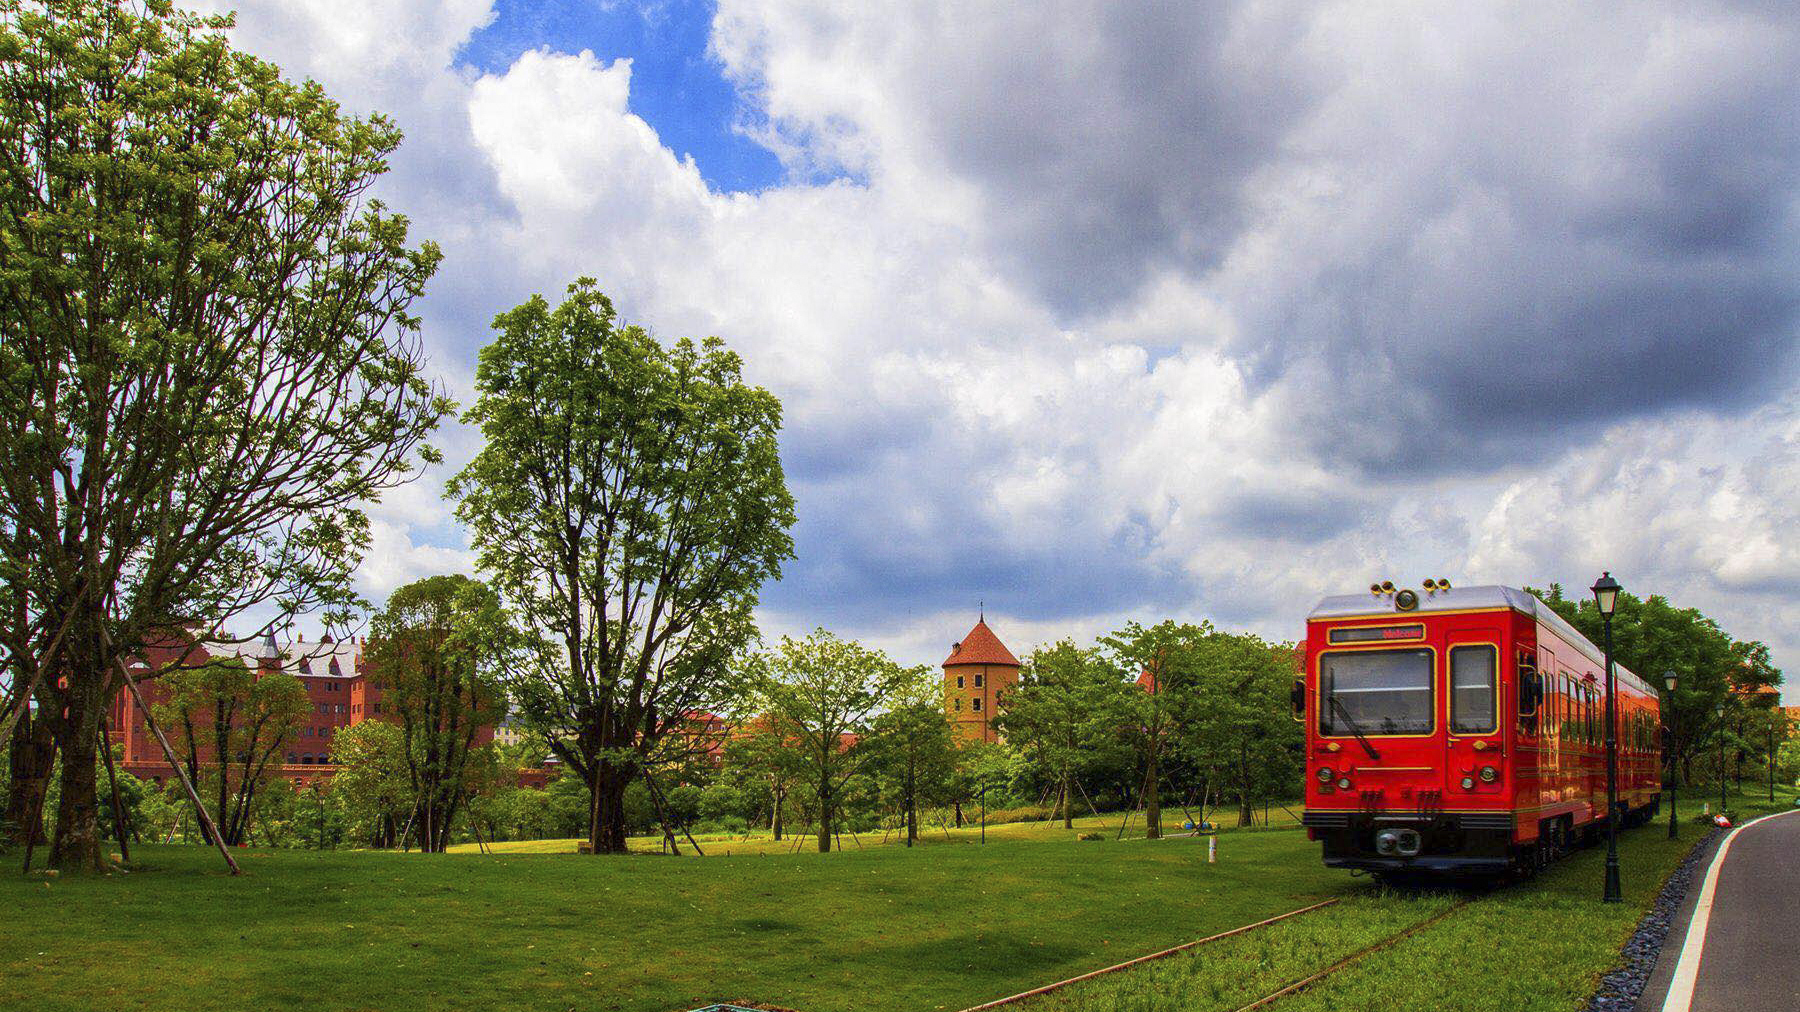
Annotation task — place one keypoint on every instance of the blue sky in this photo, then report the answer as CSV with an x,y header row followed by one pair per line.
x,y
1113,311
678,87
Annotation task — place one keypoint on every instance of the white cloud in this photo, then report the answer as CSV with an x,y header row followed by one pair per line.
x,y
1203,315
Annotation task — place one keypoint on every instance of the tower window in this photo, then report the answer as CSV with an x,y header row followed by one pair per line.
x,y
959,681
978,681
975,704
959,704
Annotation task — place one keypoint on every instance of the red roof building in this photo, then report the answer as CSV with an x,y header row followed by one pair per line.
x,y
977,675
334,675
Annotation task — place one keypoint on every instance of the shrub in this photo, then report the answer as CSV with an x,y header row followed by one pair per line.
x,y
1093,836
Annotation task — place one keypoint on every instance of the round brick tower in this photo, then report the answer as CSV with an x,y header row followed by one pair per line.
x,y
977,674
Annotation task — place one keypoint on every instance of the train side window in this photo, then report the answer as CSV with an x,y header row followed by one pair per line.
x,y
1474,689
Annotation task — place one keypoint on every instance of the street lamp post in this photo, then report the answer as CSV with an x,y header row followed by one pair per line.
x,y
1668,708
1606,598
1720,712
1771,758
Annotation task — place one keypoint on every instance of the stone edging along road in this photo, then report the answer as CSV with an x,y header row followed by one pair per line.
x,y
1621,989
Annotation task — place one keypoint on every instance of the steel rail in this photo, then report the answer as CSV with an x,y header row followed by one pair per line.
x,y
1090,975
1306,982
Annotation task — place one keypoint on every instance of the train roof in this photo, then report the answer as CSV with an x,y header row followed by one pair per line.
x,y
1482,598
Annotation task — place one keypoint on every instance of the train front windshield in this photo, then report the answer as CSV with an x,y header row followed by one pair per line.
x,y
1375,692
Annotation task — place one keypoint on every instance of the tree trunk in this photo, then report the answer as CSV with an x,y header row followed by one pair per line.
x,y
775,820
912,808
1152,801
76,843
1068,809
606,831
31,758
825,817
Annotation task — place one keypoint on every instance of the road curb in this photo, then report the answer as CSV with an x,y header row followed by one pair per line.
x,y
1643,979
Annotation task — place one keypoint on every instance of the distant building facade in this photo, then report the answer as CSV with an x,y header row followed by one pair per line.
x,y
334,674
977,675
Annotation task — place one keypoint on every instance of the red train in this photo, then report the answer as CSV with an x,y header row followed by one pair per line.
x,y
1462,730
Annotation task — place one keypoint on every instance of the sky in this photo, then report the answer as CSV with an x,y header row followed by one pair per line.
x,y
1086,312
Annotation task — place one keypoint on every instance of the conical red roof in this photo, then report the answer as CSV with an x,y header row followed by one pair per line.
x,y
981,646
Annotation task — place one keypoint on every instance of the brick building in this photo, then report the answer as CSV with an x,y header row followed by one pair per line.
x,y
332,672
977,673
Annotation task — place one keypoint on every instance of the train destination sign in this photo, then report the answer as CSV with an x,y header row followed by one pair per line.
x,y
1377,633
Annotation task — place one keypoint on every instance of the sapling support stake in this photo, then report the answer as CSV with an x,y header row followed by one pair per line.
x,y
112,780
187,784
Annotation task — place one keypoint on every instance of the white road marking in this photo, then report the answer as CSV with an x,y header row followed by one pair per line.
x,y
1687,970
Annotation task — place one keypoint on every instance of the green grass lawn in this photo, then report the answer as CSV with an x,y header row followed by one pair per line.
x,y
885,927
1540,945
881,928
760,842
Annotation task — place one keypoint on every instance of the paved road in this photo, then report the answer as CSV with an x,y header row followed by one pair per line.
x,y
1748,957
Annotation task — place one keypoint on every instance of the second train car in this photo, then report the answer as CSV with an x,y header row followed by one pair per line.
x,y
1463,731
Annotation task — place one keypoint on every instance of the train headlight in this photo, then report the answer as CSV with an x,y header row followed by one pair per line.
x,y
1343,783
1489,774
1468,783
1325,774
1406,600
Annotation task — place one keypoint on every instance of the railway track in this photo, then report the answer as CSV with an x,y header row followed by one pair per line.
x,y
1266,1000
1305,982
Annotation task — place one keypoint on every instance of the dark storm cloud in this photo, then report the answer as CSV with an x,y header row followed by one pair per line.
x,y
853,568
1481,234
1292,516
1549,251
1109,140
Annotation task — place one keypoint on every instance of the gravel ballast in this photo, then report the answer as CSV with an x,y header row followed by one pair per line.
x,y
1619,990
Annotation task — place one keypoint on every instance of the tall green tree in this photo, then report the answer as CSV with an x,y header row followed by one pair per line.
x,y
374,781
1234,720
821,695
1652,636
915,753
438,653
230,726
761,753
1065,716
629,503
1164,654
207,365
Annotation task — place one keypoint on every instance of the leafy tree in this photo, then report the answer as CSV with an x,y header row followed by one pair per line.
x,y
569,805
1652,636
983,774
374,781
1065,714
915,754
761,754
821,695
230,725
274,815
1165,655
1234,720
207,366
629,503
318,816
437,653
133,793
30,757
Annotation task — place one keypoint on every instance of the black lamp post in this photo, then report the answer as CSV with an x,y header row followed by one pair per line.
x,y
1772,757
1721,732
1606,598
1668,708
